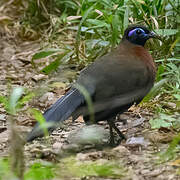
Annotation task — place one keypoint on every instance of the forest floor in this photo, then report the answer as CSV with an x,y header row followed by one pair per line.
x,y
136,158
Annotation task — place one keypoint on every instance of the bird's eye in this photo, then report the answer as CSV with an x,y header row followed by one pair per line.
x,y
138,31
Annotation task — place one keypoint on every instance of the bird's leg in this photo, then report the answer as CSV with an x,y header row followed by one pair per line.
x,y
111,140
121,135
111,127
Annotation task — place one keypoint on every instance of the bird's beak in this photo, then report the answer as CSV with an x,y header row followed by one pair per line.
x,y
152,34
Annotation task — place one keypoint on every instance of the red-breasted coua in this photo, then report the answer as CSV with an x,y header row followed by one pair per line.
x,y
114,82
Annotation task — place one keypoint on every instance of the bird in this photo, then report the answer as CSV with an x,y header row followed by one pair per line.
x,y
107,87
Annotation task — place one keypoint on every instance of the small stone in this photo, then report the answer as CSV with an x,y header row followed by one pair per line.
x,y
171,105
2,117
8,52
57,145
82,157
145,171
4,136
71,148
28,75
39,77
122,150
49,96
138,122
91,134
136,141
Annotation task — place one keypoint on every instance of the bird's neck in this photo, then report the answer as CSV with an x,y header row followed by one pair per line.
x,y
140,53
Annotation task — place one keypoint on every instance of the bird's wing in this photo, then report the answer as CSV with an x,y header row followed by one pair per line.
x,y
118,80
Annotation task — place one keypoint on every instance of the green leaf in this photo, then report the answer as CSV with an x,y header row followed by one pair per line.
x,y
55,64
79,28
166,32
5,170
5,102
159,73
14,97
170,152
82,21
98,23
163,120
52,66
169,59
45,53
167,117
114,29
177,96
25,99
126,17
154,90
158,123
41,120
70,167
88,100
97,42
39,171
83,29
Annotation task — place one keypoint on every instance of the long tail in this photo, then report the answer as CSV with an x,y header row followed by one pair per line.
x,y
58,112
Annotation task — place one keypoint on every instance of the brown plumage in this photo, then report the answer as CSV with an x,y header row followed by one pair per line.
x,y
114,82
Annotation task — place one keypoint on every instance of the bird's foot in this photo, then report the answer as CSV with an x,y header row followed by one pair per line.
x,y
114,143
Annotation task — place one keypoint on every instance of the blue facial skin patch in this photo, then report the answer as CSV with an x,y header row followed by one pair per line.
x,y
131,32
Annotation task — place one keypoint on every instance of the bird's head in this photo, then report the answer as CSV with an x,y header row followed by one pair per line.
x,y
139,34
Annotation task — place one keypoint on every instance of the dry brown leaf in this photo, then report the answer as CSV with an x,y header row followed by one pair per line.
x,y
175,163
